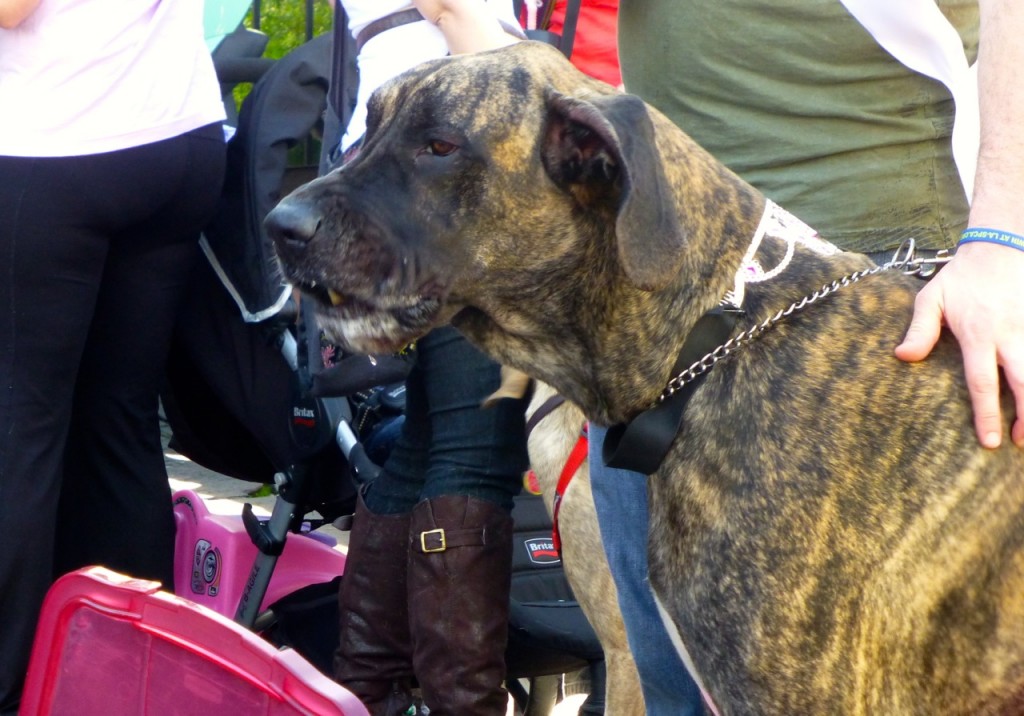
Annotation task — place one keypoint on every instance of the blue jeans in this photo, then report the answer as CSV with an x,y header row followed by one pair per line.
x,y
620,497
449,445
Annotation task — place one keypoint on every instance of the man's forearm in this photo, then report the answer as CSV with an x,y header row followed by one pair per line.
x,y
978,295
1000,176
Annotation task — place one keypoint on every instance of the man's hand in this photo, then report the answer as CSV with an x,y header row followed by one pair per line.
x,y
468,25
980,293
980,296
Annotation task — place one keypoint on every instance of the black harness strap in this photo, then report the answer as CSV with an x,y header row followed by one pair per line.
x,y
572,14
565,41
641,444
543,411
406,17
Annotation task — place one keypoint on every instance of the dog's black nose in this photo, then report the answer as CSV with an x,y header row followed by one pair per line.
x,y
292,224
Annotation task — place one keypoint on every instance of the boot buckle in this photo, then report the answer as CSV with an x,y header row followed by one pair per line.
x,y
433,541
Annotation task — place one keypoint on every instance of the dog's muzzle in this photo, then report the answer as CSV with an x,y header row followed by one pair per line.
x,y
291,225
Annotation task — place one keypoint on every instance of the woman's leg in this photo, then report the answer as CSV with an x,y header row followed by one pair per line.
x,y
115,504
374,655
461,531
51,260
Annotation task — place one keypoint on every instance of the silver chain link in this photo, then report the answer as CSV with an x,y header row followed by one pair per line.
x,y
904,259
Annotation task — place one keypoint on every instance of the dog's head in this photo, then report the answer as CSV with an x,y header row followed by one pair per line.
x,y
479,175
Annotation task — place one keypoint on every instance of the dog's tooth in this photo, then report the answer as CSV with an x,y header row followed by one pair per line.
x,y
336,298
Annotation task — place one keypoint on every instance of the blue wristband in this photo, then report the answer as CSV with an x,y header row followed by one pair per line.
x,y
992,236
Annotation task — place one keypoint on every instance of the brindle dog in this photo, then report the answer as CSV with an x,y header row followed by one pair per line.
x,y
550,443
827,536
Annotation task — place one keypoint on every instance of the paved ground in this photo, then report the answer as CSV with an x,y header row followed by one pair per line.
x,y
221,493
225,495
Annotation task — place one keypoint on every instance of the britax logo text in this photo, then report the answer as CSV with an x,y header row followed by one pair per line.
x,y
541,550
304,417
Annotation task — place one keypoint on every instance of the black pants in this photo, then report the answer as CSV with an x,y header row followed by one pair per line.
x,y
95,253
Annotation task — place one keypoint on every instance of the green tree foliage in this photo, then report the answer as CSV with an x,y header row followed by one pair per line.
x,y
287,22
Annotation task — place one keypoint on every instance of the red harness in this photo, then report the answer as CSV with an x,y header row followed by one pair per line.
x,y
572,464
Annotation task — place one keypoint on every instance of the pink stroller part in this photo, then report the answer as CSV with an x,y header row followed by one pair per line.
x,y
214,555
109,644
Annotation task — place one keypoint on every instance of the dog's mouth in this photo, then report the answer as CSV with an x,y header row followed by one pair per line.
x,y
373,288
330,299
378,323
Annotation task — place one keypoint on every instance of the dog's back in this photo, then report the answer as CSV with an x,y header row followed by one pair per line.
x,y
841,514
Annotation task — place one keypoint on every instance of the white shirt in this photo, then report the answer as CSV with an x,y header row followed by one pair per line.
x,y
89,76
920,36
392,52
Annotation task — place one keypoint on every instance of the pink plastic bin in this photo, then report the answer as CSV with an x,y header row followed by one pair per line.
x,y
107,644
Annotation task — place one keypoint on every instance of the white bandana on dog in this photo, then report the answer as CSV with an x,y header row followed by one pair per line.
x,y
777,223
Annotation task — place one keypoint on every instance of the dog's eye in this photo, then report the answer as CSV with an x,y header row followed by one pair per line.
x,y
440,148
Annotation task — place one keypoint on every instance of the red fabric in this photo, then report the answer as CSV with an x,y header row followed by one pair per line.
x,y
595,50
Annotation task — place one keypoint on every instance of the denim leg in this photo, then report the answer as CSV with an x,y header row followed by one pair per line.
x,y
620,498
450,445
397,488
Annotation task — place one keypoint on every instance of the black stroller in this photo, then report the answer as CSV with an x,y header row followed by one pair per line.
x,y
247,396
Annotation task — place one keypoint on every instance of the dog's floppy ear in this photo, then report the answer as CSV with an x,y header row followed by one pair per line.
x,y
603,150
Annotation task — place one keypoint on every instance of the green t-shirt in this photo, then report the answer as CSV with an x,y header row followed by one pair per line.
x,y
799,100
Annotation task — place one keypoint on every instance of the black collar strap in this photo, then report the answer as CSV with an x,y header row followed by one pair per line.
x,y
641,444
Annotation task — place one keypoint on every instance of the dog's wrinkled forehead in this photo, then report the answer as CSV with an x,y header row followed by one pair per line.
x,y
449,91
486,90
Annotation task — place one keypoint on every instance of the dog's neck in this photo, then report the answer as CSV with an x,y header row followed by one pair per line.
x,y
614,354
628,380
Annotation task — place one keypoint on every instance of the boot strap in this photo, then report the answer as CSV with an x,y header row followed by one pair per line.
x,y
440,539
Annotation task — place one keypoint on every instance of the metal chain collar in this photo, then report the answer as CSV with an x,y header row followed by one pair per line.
x,y
904,259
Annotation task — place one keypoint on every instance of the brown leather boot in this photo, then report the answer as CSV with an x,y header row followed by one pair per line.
x,y
460,566
374,657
